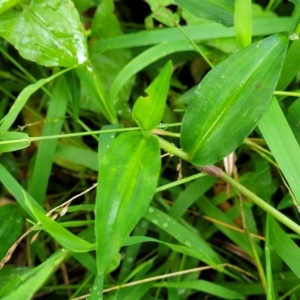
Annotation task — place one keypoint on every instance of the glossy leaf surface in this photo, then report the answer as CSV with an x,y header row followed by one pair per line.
x,y
148,111
220,11
47,32
128,176
7,4
230,100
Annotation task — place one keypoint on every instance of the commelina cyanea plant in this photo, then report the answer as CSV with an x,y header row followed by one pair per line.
x,y
149,149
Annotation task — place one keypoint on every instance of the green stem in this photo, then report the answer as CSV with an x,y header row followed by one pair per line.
x,y
67,135
187,37
283,93
165,133
217,172
259,202
172,149
179,182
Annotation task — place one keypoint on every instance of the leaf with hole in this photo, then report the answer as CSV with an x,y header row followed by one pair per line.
x,y
148,111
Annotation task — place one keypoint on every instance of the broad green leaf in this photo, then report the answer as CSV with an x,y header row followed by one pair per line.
x,y
7,4
41,171
49,33
127,180
220,11
107,64
230,100
58,232
148,111
12,222
11,116
7,139
243,22
204,286
34,279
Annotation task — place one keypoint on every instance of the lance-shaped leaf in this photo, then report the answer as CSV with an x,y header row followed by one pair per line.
x,y
47,32
127,180
230,100
220,11
148,111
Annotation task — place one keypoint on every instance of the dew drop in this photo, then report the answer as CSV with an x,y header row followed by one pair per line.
x,y
154,221
188,243
150,210
165,225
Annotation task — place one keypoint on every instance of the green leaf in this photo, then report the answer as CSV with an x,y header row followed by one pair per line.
x,y
41,170
107,64
12,222
283,145
148,111
35,278
285,247
204,286
58,232
261,27
230,100
144,59
77,155
97,93
7,138
194,243
127,180
47,32
7,4
13,186
11,116
220,11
